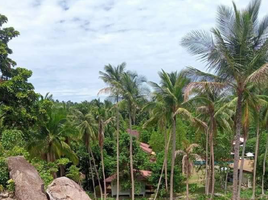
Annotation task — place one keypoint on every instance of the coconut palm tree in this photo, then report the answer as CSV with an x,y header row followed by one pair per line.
x,y
88,128
49,140
171,89
236,50
112,77
207,98
101,112
188,156
159,114
132,90
265,126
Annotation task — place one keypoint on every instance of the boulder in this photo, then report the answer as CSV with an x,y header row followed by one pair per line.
x,y
66,189
28,184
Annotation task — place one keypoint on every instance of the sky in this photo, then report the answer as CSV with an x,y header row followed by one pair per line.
x,y
67,42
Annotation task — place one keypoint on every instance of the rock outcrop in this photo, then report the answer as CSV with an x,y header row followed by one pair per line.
x,y
65,189
7,196
28,184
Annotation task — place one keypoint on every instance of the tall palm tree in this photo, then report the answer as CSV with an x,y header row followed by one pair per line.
x,y
88,128
159,114
103,118
187,163
207,97
171,90
265,126
112,77
236,50
132,90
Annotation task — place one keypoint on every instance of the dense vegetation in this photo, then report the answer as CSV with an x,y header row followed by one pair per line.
x,y
188,116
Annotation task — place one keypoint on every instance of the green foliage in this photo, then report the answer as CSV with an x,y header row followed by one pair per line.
x,y
11,138
157,141
74,174
145,136
18,101
4,176
11,185
45,170
63,161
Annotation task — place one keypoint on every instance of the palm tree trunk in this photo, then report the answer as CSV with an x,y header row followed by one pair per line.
x,y
212,173
264,167
242,167
237,144
187,180
103,173
159,181
226,182
256,159
92,176
96,171
117,152
207,167
165,161
173,156
131,160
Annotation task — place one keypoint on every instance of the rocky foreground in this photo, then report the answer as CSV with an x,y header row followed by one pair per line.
x,y
29,185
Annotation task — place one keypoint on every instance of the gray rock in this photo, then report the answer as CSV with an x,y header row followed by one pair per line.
x,y
66,189
28,184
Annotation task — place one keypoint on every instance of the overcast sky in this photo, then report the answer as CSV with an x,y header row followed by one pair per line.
x,y
67,42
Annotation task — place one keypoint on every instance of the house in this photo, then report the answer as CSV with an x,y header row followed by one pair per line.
x,y
140,175
134,133
247,172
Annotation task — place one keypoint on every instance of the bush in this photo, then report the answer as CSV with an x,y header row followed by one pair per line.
x,y
11,185
74,174
45,170
3,172
11,138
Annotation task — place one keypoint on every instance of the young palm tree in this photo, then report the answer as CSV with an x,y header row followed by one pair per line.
x,y
187,163
171,91
237,52
112,77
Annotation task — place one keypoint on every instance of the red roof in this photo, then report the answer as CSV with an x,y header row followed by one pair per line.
x,y
134,133
143,174
146,148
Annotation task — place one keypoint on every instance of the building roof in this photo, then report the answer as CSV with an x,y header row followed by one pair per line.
x,y
248,165
134,133
146,148
144,174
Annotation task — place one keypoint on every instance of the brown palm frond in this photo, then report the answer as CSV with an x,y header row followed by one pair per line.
x,y
184,164
201,87
191,147
260,76
179,152
108,121
202,109
106,90
196,156
185,113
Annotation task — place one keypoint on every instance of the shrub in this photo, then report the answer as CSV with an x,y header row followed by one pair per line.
x,y
11,185
3,172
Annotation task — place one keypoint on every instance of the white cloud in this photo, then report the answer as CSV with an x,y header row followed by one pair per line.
x,y
67,42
